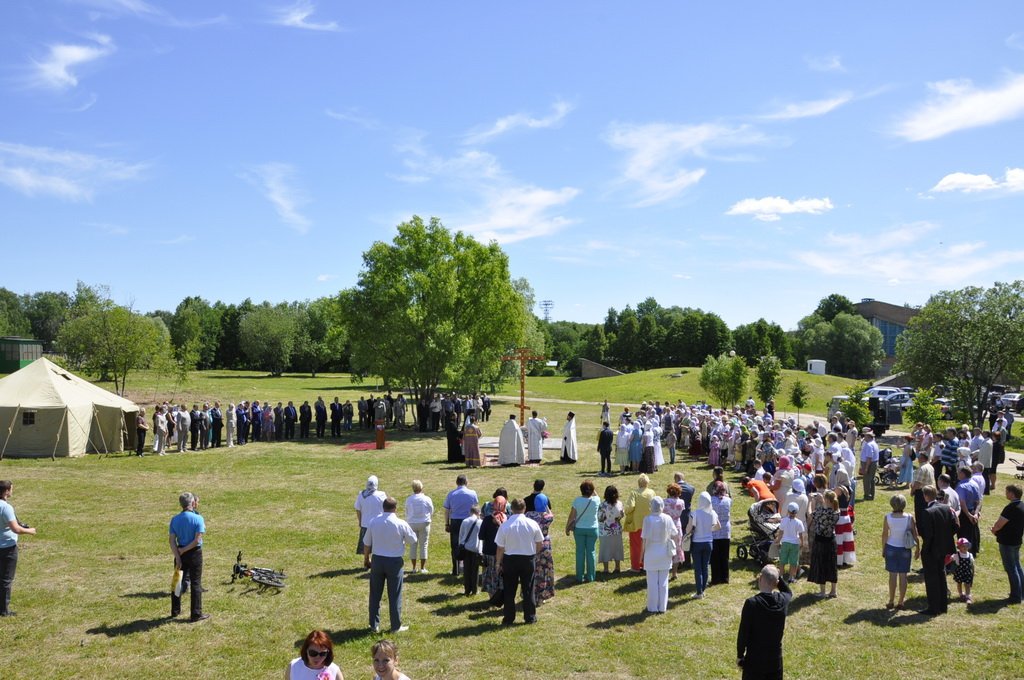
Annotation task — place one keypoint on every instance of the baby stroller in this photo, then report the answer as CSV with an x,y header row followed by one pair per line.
x,y
764,526
888,468
1019,464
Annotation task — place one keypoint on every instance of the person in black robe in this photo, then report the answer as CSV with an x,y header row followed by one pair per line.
x,y
454,440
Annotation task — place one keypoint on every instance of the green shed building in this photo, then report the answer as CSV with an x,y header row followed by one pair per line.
x,y
17,353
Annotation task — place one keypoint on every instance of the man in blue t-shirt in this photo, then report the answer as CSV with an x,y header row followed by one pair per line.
x,y
186,539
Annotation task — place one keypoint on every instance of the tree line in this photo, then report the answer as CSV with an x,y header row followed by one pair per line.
x,y
430,308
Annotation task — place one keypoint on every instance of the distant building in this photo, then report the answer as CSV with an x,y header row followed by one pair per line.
x,y
891,320
592,369
816,366
17,353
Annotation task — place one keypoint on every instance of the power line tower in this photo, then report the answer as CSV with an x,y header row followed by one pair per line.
x,y
546,305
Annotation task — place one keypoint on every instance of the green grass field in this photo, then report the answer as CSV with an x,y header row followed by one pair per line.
x,y
91,592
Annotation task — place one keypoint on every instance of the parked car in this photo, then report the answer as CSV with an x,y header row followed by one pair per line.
x,y
882,392
1011,400
901,399
946,405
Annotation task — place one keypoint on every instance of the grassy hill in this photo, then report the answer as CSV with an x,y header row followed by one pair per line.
x,y
670,384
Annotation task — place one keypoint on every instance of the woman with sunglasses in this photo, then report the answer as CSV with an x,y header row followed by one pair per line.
x,y
385,661
316,660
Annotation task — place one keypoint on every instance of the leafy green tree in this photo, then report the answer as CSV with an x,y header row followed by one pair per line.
x,y
13,320
967,339
46,312
923,409
320,336
267,337
713,338
649,341
112,341
850,344
627,341
724,378
798,394
229,349
196,330
433,308
767,378
856,409
595,344
832,306
751,340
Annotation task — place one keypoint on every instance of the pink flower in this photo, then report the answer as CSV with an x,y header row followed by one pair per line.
x,y
324,675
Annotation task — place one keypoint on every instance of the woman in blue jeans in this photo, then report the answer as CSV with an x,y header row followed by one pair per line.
x,y
582,523
703,521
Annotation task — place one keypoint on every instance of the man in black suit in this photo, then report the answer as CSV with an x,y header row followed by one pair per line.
x,y
305,415
193,427
937,533
290,416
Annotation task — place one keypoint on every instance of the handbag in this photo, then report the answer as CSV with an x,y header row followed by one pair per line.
x,y
908,537
687,539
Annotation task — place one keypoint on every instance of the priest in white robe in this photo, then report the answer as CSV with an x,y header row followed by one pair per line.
x,y
511,450
535,428
569,452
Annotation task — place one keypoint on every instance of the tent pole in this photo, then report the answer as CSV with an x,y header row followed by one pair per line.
x,y
53,454
103,440
10,430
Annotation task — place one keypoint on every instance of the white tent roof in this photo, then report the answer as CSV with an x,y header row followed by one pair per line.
x,y
44,384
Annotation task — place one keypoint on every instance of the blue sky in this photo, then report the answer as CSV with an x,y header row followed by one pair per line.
x,y
747,159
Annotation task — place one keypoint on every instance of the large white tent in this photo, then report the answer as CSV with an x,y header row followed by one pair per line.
x,y
46,411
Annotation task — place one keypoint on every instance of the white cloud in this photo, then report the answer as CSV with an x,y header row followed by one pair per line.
x,y
324,278
68,175
297,16
1015,41
684,277
111,229
275,180
809,109
825,63
771,208
904,249
147,11
177,240
958,105
516,213
1012,182
483,135
353,116
654,152
56,70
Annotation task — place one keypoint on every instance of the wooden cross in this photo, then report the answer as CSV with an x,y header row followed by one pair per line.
x,y
522,355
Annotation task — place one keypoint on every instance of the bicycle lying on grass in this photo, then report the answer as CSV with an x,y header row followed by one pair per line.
x,y
263,577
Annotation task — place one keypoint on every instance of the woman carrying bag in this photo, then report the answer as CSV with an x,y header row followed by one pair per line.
x,y
582,523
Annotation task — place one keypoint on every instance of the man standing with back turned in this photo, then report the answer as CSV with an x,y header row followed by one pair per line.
x,y
186,539
519,539
385,539
762,623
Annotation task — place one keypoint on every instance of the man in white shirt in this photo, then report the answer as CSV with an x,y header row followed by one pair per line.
x,y
519,539
869,463
385,540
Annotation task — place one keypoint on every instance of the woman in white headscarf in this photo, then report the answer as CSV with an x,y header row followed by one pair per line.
x,y
798,494
659,540
703,522
369,504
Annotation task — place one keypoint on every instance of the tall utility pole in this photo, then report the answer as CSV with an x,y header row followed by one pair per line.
x,y
546,305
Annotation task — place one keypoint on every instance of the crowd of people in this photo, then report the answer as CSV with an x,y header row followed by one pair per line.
x,y
803,481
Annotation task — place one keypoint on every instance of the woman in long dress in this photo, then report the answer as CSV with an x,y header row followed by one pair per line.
x,y
471,443
823,550
544,562
674,507
846,553
492,580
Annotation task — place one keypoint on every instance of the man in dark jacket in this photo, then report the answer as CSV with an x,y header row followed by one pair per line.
x,y
305,415
605,439
762,623
194,427
937,535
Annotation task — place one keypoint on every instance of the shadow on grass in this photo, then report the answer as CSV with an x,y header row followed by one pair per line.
x,y
890,618
634,585
148,596
473,631
801,601
129,628
340,637
987,606
338,572
623,621
681,587
462,608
